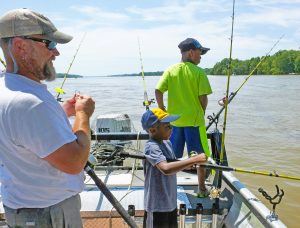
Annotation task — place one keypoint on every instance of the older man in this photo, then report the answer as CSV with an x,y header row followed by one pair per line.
x,y
41,155
187,87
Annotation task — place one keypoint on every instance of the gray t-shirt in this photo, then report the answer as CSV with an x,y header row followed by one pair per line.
x,y
160,194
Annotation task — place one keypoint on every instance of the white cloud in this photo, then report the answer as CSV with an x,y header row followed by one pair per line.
x,y
272,16
111,45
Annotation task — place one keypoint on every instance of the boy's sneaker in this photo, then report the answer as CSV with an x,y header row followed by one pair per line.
x,y
203,194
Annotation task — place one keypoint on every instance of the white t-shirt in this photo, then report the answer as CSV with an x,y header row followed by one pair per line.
x,y
32,126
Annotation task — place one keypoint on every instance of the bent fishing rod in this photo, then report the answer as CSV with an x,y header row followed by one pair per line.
x,y
215,117
146,101
60,89
217,167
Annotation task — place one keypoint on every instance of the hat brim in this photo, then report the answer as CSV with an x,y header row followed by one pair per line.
x,y
58,37
204,50
169,119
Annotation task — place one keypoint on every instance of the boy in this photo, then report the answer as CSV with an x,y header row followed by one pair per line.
x,y
160,194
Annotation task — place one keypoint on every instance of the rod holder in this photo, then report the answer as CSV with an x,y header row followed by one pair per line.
x,y
199,213
182,213
215,212
131,210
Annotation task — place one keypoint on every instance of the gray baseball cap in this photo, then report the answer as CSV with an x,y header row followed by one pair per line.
x,y
25,22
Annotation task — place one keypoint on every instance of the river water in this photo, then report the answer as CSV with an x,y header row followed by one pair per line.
x,y
262,133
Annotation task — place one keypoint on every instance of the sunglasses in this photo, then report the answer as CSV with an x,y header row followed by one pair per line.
x,y
51,45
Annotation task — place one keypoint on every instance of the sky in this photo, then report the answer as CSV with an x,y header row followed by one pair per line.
x,y
113,30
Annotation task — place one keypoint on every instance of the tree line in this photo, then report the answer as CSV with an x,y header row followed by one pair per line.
x,y
281,63
62,75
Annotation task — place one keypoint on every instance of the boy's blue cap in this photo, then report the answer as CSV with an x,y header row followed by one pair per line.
x,y
155,115
191,43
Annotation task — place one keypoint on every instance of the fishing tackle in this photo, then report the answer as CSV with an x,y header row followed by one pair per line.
x,y
146,101
60,89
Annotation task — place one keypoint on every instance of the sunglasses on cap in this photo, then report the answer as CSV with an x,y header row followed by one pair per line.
x,y
51,45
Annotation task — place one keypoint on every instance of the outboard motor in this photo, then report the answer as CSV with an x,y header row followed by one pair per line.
x,y
112,123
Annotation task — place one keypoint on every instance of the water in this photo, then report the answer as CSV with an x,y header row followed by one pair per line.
x,y
263,125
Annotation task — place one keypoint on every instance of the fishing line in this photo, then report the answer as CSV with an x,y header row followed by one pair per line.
x,y
259,64
60,89
214,118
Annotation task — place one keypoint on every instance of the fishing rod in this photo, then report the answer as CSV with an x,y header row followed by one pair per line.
x,y
60,89
110,197
3,63
146,102
217,167
227,88
264,173
214,118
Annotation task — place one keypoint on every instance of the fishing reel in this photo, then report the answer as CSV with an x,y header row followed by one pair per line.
x,y
149,102
214,193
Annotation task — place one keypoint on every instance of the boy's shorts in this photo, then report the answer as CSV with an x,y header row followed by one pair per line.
x,y
193,139
160,219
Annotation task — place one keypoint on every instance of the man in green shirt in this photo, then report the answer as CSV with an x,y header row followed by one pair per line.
x,y
188,87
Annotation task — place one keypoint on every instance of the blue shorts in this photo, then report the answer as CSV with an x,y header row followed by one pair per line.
x,y
188,135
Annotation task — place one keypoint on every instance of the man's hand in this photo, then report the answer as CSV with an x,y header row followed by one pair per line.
x,y
84,104
69,106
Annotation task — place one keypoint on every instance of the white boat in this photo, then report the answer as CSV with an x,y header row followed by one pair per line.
x,y
121,180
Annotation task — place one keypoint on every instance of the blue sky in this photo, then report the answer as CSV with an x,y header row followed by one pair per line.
x,y
113,27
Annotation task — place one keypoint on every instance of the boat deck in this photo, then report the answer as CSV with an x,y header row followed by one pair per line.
x,y
127,187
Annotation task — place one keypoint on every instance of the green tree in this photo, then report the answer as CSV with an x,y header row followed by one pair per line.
x,y
297,65
282,62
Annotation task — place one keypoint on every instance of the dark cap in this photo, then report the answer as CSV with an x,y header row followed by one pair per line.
x,y
191,43
156,115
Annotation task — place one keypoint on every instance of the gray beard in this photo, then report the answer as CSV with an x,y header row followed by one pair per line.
x,y
49,73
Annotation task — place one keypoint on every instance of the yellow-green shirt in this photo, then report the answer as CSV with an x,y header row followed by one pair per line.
x,y
185,82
